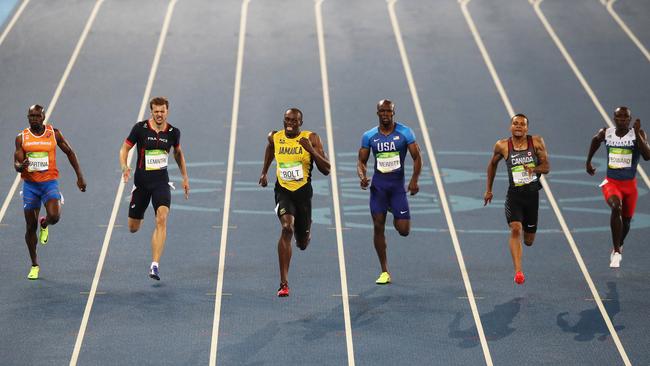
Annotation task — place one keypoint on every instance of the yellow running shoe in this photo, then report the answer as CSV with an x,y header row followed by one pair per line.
x,y
33,273
384,279
44,233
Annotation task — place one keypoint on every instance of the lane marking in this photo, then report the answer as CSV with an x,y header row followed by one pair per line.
x,y
438,179
609,4
318,8
229,174
64,78
545,185
585,85
13,21
120,189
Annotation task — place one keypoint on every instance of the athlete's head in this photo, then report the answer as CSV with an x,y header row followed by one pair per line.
x,y
292,121
385,112
36,116
622,118
159,107
519,125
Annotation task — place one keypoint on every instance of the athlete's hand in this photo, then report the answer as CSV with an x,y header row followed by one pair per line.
x,y
413,187
81,183
126,173
21,167
530,170
364,183
186,187
487,198
306,144
590,169
637,126
263,181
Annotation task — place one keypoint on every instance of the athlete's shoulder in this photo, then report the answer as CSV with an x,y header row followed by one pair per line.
x,y
371,132
365,138
406,131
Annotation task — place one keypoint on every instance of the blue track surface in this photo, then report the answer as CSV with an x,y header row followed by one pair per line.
x,y
424,316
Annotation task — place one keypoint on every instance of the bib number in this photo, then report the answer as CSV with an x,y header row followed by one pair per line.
x,y
388,161
291,171
155,159
38,161
619,158
520,176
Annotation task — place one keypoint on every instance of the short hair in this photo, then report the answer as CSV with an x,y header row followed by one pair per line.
x,y
293,109
522,116
158,101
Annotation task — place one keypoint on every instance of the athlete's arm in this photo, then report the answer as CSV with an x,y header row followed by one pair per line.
x,y
497,155
642,140
314,146
20,161
72,157
543,166
362,160
180,161
595,144
268,158
414,149
124,153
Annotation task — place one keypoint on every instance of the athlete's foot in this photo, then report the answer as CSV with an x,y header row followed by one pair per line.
x,y
519,278
44,233
154,273
33,273
615,260
384,279
283,291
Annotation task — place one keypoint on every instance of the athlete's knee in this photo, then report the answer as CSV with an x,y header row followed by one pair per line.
x,y
161,216
287,229
31,227
515,229
529,239
134,225
302,243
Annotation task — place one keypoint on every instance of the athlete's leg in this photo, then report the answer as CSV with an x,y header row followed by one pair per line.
x,y
403,226
616,221
515,244
284,246
134,224
53,210
626,229
31,221
379,239
529,238
630,198
159,233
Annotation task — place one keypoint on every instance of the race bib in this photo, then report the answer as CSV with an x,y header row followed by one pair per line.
x,y
38,161
291,171
155,159
619,158
388,161
520,176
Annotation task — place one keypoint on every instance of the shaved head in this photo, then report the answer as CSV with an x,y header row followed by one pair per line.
x,y
386,102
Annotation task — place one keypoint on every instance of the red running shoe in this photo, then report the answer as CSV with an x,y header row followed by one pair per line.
x,y
283,291
519,278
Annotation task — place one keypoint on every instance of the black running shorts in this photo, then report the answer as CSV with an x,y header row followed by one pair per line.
x,y
158,194
298,204
522,207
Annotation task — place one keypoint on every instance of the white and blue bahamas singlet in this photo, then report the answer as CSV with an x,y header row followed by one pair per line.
x,y
389,151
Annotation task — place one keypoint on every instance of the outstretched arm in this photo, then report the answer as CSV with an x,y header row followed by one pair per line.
x,y
268,158
315,147
362,160
180,160
497,155
72,157
595,144
414,150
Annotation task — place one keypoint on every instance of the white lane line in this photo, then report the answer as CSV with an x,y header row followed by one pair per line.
x,y
50,107
120,190
585,85
438,178
229,173
609,4
13,21
547,188
335,189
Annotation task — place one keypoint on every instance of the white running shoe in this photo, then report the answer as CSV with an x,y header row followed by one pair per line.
x,y
615,260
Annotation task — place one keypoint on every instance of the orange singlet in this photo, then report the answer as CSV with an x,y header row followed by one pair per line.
x,y
41,152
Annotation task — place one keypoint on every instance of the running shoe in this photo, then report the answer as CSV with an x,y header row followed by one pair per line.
x,y
615,260
384,279
44,233
33,273
519,278
154,273
283,291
